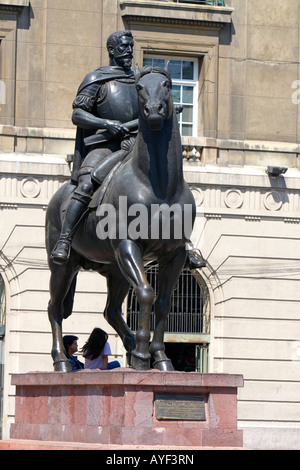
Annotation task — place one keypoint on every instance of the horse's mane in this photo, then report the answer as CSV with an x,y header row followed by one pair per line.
x,y
148,69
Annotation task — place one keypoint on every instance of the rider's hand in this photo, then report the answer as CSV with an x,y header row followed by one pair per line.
x,y
117,129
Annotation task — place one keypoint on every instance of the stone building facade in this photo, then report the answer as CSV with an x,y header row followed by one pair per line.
x,y
239,82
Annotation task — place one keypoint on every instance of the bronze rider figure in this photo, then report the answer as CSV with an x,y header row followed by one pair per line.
x,y
106,99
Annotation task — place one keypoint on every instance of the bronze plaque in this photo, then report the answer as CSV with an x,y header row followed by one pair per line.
x,y
180,407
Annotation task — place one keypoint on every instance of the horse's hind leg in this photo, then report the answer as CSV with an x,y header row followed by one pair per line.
x,y
60,283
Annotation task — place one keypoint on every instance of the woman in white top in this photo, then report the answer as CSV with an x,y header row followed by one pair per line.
x,y
96,351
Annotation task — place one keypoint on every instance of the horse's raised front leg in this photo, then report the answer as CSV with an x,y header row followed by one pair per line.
x,y
60,284
117,289
130,261
167,279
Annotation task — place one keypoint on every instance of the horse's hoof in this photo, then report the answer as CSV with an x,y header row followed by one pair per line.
x,y
164,365
62,366
128,358
140,363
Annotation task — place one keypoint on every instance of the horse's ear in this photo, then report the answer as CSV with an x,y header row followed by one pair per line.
x,y
139,87
167,67
137,72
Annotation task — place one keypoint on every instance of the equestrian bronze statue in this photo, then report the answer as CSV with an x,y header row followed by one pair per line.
x,y
128,205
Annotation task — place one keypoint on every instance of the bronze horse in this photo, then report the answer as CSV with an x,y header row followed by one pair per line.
x,y
150,177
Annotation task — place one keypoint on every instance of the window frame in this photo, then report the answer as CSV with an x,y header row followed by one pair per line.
x,y
184,82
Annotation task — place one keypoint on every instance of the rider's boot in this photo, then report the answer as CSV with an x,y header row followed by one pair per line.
x,y
77,207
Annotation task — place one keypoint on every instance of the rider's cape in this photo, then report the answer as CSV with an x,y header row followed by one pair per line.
x,y
97,78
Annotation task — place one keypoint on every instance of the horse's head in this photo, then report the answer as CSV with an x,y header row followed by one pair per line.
x,y
154,87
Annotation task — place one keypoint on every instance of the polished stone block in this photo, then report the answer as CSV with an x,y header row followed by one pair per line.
x,y
118,407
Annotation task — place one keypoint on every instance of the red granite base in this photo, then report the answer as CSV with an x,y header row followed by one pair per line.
x,y
117,407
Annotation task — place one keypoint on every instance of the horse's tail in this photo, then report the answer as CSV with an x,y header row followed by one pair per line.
x,y
69,299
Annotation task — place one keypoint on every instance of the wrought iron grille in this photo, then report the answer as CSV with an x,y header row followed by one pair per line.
x,y
2,331
188,305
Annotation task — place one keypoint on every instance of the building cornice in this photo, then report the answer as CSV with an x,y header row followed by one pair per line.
x,y
164,12
13,5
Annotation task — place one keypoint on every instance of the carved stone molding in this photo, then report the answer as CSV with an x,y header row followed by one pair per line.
x,y
145,11
13,5
273,201
292,220
234,198
198,196
213,216
252,218
246,193
30,188
8,206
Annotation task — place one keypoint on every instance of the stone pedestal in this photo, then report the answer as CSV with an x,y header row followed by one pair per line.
x,y
127,407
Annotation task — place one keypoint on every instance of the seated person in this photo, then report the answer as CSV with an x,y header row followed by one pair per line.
x,y
96,351
71,347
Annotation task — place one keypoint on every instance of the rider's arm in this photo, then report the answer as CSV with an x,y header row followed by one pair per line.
x,y
84,113
87,120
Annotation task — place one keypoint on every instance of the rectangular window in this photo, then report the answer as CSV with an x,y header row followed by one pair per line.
x,y
184,74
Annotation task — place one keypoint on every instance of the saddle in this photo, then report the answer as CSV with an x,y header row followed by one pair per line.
x,y
100,192
103,179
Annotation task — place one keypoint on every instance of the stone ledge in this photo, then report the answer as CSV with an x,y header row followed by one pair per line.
x,y
18,165
45,132
126,376
19,444
36,140
15,3
231,144
245,177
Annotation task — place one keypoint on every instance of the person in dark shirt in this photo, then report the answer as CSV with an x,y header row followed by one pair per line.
x,y
71,347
